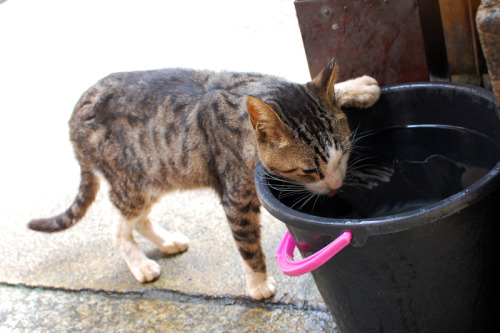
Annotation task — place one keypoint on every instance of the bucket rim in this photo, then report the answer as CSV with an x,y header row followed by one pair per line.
x,y
362,228
467,88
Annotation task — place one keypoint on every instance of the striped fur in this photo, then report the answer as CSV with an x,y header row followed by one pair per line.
x,y
86,195
151,132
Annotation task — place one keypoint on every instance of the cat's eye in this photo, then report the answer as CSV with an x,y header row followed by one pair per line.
x,y
272,169
308,177
309,172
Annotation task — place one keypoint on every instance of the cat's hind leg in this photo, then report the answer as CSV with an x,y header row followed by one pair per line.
x,y
122,228
143,268
167,242
361,92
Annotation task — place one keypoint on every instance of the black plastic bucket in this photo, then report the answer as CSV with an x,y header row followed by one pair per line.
x,y
429,269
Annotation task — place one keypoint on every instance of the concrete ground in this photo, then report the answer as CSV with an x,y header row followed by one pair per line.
x,y
51,51
76,281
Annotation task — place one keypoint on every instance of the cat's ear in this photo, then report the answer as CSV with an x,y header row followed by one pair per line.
x,y
266,122
323,84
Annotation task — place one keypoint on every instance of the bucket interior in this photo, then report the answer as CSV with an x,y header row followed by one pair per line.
x,y
402,168
418,146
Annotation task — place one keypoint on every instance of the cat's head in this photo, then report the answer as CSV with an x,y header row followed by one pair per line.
x,y
302,135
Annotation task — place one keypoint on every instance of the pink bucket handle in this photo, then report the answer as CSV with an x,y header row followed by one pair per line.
x,y
300,267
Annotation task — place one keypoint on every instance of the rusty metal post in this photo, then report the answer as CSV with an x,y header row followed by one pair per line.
x,y
488,24
382,38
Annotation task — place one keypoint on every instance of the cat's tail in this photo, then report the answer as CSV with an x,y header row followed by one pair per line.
x,y
89,186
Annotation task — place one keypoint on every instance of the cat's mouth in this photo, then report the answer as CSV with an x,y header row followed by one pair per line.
x,y
332,193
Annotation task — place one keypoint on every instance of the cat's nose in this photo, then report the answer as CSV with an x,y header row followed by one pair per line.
x,y
333,181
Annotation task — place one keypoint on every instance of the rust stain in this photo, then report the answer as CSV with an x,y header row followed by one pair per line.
x,y
375,37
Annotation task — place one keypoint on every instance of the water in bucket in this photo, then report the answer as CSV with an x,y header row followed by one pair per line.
x,y
400,169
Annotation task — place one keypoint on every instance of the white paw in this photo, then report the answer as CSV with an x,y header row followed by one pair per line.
x,y
264,289
146,271
361,92
174,243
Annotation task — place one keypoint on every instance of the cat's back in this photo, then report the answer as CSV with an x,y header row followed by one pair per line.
x,y
156,83
143,93
120,93
128,105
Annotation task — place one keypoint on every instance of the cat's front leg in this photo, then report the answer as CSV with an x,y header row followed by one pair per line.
x,y
243,213
361,92
259,284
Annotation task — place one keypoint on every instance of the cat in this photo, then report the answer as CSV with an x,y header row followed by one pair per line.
x,y
150,132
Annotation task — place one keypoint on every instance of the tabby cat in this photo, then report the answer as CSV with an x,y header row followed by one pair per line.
x,y
150,132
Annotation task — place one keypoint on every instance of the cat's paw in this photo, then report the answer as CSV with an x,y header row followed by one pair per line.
x,y
174,243
361,92
146,271
262,290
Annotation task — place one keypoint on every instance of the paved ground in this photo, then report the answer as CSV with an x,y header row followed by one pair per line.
x,y
74,280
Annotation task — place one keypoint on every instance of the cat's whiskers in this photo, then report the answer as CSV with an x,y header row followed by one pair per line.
x,y
356,166
354,138
288,188
349,141
361,174
359,163
304,199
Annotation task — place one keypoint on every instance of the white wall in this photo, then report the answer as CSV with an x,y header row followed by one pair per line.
x,y
51,51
